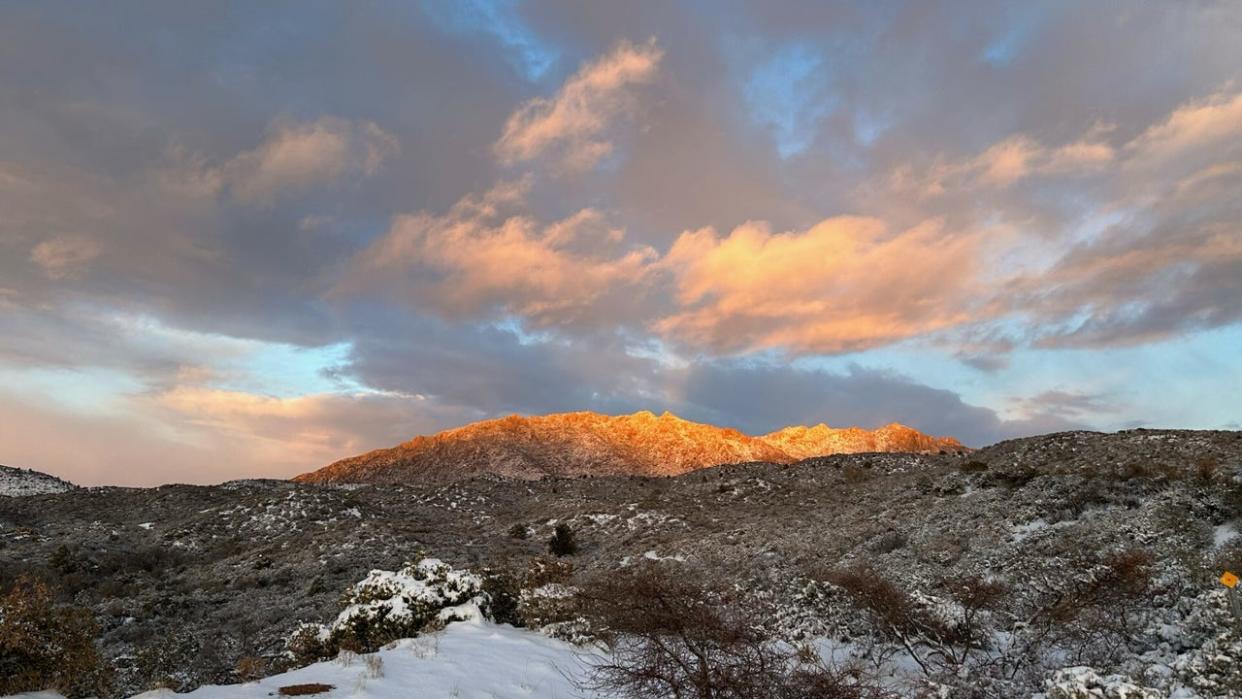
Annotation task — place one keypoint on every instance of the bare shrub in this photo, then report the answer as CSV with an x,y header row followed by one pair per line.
x,y
1206,469
1087,617
1085,613
542,571
250,668
937,641
48,646
670,636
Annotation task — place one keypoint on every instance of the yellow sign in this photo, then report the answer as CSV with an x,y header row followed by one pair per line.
x,y
1229,580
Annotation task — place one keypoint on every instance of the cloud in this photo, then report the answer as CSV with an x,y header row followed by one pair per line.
x,y
1191,128
759,397
65,256
498,368
485,257
194,434
1008,161
1130,288
1067,404
293,157
844,284
1145,243
300,432
574,124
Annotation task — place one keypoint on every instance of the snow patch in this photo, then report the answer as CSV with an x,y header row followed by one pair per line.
x,y
470,659
1224,533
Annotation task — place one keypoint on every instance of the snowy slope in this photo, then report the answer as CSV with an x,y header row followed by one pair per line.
x,y
469,660
17,481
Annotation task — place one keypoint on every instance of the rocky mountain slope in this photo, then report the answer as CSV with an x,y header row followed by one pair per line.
x,y
585,443
821,440
187,582
19,481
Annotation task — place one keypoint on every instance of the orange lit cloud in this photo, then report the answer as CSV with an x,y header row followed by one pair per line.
x,y
485,254
1191,128
574,123
844,284
285,435
294,156
1009,161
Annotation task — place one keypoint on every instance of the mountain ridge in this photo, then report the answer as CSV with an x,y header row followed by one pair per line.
x,y
588,443
17,482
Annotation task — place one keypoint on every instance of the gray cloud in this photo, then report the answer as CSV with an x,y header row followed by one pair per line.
x,y
759,397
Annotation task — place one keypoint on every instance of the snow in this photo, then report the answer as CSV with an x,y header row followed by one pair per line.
x,y
1022,532
473,659
1082,682
468,660
653,556
1224,533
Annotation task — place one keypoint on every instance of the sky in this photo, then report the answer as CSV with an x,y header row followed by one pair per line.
x,y
247,239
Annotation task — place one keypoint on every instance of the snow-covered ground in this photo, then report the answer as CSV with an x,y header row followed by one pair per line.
x,y
467,660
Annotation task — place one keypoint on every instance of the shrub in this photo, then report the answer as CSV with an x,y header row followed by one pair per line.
x,y
518,531
563,542
63,561
1012,477
176,659
973,466
1206,469
1090,615
250,668
48,646
387,605
888,542
940,635
670,636
543,570
504,591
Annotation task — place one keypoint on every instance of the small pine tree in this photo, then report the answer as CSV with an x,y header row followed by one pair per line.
x,y
562,542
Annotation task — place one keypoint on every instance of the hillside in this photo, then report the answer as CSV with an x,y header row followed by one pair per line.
x,y
19,481
585,443
186,581
821,440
